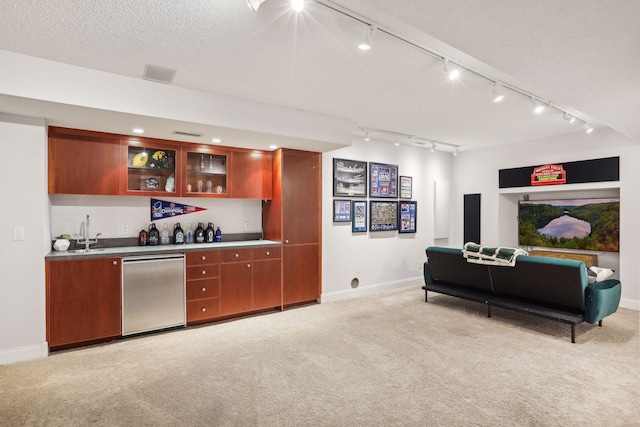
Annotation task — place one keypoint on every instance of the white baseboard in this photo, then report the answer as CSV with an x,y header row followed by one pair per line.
x,y
632,304
365,290
22,354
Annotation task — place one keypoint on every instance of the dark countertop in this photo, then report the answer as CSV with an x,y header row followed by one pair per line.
x,y
155,250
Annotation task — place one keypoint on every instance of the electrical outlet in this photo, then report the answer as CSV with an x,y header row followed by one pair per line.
x,y
18,233
247,226
125,229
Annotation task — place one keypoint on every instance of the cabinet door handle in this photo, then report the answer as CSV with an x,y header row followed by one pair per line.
x,y
204,272
286,241
115,262
204,309
248,265
204,289
237,255
204,257
268,253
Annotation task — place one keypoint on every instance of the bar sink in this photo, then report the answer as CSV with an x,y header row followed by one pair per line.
x,y
85,251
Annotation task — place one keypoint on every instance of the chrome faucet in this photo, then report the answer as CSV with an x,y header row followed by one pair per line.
x,y
87,240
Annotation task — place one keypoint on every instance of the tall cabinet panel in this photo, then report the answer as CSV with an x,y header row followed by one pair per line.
x,y
293,216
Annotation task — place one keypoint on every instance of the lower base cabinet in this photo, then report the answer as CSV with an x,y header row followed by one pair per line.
x,y
83,300
203,286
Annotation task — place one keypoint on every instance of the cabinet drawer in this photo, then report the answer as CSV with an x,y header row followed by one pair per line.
x,y
271,252
202,272
202,257
235,255
203,309
199,289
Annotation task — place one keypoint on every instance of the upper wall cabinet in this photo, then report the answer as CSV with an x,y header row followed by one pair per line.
x,y
150,167
206,171
83,162
251,174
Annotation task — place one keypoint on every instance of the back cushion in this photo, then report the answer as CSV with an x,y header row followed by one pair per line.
x,y
558,281
448,265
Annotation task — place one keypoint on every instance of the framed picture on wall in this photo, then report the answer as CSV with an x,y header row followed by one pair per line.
x,y
359,216
384,215
341,210
408,217
383,180
349,178
406,185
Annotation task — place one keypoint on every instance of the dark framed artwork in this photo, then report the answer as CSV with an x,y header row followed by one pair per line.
x,y
408,217
359,216
383,180
341,210
406,187
383,215
349,178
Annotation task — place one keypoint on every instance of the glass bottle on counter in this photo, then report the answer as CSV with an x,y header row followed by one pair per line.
x,y
164,235
154,235
189,233
210,233
199,233
218,235
178,234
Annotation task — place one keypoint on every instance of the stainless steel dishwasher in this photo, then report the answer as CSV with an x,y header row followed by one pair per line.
x,y
153,293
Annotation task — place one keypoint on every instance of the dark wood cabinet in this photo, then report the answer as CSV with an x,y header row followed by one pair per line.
x,y
293,217
83,300
82,162
150,167
250,279
252,174
203,286
206,171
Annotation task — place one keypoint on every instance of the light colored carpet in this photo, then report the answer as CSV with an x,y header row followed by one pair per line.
x,y
384,360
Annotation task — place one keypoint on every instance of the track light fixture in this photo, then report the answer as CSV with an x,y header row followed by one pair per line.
x,y
365,44
297,5
587,128
452,69
413,139
568,117
455,151
433,147
537,106
366,136
498,93
255,4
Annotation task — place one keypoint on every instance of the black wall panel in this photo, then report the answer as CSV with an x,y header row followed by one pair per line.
x,y
472,218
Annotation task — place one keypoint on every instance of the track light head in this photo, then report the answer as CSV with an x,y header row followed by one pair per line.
x,y
452,69
498,93
366,136
297,5
587,128
365,44
255,4
537,106
455,151
433,147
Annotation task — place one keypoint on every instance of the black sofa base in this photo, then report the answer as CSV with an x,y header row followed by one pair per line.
x,y
553,313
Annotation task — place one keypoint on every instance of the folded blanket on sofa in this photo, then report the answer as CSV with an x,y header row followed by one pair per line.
x,y
488,255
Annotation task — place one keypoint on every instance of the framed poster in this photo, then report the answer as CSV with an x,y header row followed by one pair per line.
x,y
349,178
341,210
359,217
406,184
383,180
408,218
384,215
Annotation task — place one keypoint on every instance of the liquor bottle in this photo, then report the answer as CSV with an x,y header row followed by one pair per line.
x,y
154,235
189,233
199,233
210,234
202,162
218,235
210,162
178,234
143,238
164,235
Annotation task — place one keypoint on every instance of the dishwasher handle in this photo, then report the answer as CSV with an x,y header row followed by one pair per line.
x,y
152,258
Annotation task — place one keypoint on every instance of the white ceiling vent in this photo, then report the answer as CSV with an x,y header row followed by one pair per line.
x,y
158,74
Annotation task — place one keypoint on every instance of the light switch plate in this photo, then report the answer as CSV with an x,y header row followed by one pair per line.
x,y
18,233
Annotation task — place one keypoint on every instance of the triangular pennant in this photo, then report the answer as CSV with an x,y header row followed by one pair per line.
x,y
162,209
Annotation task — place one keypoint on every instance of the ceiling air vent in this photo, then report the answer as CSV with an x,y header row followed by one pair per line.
x,y
158,74
194,134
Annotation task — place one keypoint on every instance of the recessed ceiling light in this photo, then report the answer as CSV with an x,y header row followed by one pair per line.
x,y
297,5
216,140
138,130
273,147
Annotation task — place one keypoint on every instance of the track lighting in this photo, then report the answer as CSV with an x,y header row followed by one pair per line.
x,y
452,69
366,137
537,106
568,117
365,44
297,5
455,151
587,128
498,94
433,147
255,4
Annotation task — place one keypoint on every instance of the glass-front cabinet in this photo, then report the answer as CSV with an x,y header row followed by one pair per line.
x,y
152,168
206,172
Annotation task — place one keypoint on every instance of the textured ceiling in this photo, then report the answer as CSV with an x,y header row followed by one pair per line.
x,y
581,54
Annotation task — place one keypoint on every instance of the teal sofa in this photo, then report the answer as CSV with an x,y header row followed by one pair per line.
x,y
552,288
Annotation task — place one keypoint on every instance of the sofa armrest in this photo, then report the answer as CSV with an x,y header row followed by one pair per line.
x,y
426,270
602,299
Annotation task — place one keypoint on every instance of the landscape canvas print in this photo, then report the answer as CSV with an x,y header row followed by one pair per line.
x,y
583,224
